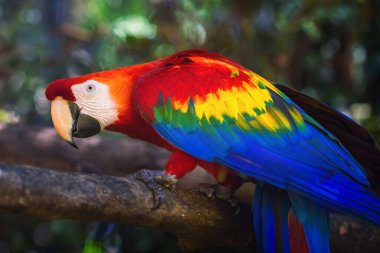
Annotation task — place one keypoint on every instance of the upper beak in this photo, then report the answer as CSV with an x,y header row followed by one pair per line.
x,y
69,122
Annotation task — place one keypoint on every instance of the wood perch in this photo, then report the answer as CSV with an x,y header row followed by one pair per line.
x,y
197,222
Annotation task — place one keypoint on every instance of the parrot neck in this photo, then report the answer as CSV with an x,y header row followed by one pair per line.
x,y
129,122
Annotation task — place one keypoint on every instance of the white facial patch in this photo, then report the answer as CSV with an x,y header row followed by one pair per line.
x,y
94,99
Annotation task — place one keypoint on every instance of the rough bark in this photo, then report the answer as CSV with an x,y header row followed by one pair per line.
x,y
197,222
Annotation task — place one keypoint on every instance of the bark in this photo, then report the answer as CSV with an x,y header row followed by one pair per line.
x,y
197,222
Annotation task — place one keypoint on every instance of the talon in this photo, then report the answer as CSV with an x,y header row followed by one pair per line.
x,y
216,191
154,179
166,180
208,190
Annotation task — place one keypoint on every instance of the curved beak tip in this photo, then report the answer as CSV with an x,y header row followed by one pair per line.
x,y
73,144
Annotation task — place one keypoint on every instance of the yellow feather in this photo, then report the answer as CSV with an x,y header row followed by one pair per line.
x,y
220,105
258,96
209,109
268,121
254,124
297,117
241,100
199,110
181,105
244,107
242,123
282,118
232,108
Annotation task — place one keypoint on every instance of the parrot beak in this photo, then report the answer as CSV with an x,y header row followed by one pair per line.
x,y
69,122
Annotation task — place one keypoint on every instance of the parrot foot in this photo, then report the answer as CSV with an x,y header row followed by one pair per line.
x,y
216,191
155,179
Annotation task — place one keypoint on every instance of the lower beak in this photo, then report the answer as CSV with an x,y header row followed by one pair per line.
x,y
69,122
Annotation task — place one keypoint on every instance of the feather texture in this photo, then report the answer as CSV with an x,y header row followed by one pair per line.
x,y
315,221
355,138
270,213
214,109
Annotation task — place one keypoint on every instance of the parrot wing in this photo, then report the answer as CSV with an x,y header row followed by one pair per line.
x,y
355,138
216,110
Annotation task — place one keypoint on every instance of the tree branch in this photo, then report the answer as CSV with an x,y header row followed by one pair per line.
x,y
197,222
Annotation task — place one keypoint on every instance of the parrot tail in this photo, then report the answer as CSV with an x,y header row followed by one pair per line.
x,y
270,216
287,222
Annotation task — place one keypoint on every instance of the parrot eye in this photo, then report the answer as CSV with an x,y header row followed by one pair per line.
x,y
90,88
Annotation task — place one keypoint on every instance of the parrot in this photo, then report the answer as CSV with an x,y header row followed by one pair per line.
x,y
307,159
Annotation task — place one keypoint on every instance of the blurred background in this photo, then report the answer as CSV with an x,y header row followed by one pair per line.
x,y
327,49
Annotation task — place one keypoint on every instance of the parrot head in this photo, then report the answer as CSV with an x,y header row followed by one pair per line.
x,y
83,106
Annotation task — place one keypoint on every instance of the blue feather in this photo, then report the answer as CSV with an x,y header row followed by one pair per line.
x,y
282,235
270,219
315,221
308,168
257,214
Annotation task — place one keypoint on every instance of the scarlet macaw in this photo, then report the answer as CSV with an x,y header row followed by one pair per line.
x,y
307,159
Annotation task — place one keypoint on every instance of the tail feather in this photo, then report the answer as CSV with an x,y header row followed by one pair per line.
x,y
335,191
270,214
282,208
297,238
269,219
287,222
315,221
257,213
